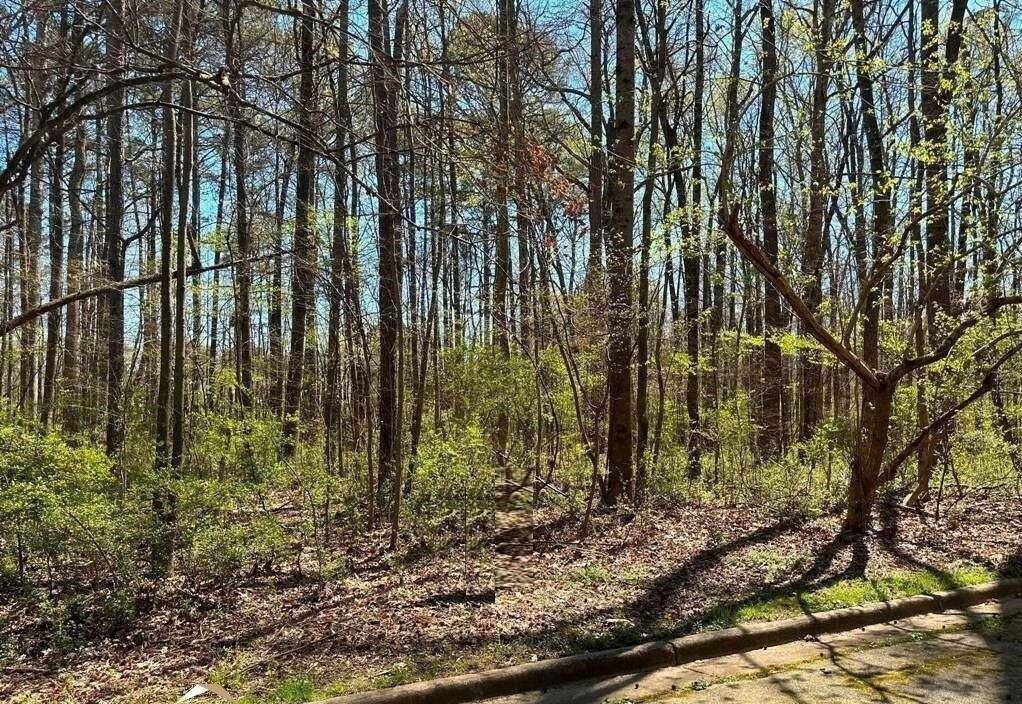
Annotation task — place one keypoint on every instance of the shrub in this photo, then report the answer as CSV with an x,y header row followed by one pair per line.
x,y
452,486
60,507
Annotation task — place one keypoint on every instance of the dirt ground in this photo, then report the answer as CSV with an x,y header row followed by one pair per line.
x,y
533,590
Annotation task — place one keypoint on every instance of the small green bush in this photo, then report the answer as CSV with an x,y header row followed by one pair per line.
x,y
60,507
452,487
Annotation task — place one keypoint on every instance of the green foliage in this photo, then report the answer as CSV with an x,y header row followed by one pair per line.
x,y
293,691
453,483
59,504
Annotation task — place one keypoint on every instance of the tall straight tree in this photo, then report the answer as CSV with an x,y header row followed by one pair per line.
x,y
596,154
164,503
187,154
243,314
812,261
620,315
338,249
385,86
56,231
303,277
75,265
691,247
113,317
502,266
771,418
934,97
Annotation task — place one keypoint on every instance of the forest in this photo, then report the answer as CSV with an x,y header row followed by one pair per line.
x,y
341,338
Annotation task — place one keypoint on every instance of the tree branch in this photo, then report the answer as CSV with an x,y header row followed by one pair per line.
x,y
776,279
989,379
17,321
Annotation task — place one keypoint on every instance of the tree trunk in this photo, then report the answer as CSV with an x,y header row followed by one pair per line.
x,y
113,315
243,305
304,272
692,255
771,436
75,266
868,455
933,103
56,231
164,503
596,156
620,316
384,86
812,262
338,250
184,193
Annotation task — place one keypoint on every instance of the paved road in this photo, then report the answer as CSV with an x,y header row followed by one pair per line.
x,y
973,657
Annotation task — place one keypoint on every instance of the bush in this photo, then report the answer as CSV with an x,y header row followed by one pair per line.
x,y
452,486
60,507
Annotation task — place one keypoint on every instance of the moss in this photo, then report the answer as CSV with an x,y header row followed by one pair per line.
x,y
885,680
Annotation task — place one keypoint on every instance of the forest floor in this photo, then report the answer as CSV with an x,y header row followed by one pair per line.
x,y
533,589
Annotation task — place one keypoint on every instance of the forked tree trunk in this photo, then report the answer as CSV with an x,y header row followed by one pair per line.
x,y
868,455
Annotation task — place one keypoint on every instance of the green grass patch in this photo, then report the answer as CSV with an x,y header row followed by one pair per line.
x,y
293,691
846,593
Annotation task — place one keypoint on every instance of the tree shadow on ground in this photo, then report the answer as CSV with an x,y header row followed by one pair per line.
x,y
840,558
819,573
1000,636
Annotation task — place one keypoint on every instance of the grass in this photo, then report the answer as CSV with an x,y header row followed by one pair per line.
x,y
851,592
415,668
292,691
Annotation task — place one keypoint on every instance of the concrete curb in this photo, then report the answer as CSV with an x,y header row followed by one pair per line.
x,y
658,654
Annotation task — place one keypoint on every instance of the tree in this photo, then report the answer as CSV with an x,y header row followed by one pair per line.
x,y
113,314
304,271
812,261
771,437
384,88
620,314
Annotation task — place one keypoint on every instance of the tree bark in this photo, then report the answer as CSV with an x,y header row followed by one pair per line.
x,y
771,434
304,272
812,262
384,87
692,255
243,305
75,265
620,315
56,232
